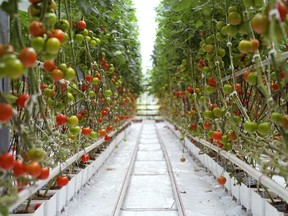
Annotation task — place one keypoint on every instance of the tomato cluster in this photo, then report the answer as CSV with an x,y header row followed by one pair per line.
x,y
226,80
69,85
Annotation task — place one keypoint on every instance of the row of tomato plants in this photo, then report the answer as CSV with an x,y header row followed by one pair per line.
x,y
212,79
69,66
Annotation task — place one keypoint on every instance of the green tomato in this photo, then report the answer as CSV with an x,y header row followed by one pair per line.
x,y
12,68
52,46
95,81
94,135
218,112
69,73
208,114
263,128
75,130
73,120
250,127
108,93
227,88
91,93
276,117
38,43
36,154
79,38
63,24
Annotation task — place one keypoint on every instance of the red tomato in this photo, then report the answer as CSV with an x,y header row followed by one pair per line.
x,y
37,205
282,9
49,66
193,126
19,168
45,172
211,81
81,25
100,120
22,100
88,78
62,181
61,119
43,86
190,89
85,158
57,33
28,56
6,112
110,128
221,180
79,116
6,161
85,86
217,135
107,138
36,28
34,169
86,131
207,125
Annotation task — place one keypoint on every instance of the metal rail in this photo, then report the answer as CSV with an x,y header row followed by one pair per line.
x,y
264,63
176,192
27,192
123,189
263,179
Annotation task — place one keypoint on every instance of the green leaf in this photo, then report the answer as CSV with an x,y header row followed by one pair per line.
x,y
199,24
3,210
9,7
87,8
183,5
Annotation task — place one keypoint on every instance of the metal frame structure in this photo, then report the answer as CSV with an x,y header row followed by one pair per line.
x,y
4,83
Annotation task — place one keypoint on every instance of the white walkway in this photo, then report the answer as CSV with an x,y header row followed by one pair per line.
x,y
149,190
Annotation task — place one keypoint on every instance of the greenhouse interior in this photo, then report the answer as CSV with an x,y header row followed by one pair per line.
x,y
143,108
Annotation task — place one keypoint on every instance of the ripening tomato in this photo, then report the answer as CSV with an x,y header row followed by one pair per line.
x,y
49,66
102,132
85,158
19,168
36,28
88,78
6,161
28,56
81,25
221,180
45,172
6,112
61,119
34,169
260,23
100,120
61,181
57,74
57,33
22,100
